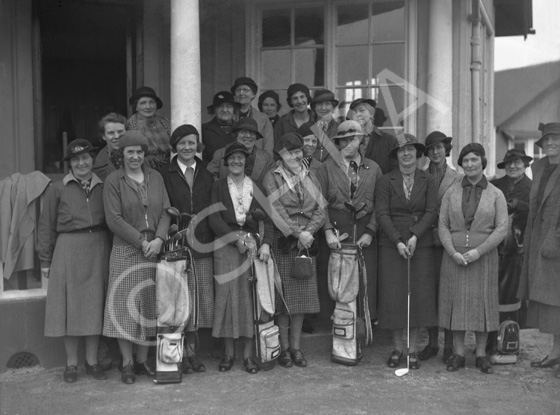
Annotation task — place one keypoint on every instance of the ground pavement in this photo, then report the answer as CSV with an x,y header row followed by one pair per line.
x,y
321,388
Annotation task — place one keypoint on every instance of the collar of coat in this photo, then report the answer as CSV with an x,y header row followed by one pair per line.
x,y
95,180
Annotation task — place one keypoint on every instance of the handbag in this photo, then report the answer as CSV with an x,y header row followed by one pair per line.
x,y
303,267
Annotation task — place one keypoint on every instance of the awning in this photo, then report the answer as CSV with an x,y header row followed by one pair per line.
x,y
514,18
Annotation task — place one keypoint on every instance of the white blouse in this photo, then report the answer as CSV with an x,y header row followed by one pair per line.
x,y
241,200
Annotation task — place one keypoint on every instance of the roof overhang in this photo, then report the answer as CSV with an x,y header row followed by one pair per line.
x,y
514,18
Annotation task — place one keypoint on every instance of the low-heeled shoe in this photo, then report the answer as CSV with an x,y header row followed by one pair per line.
x,y
187,367
70,374
95,370
413,361
483,363
143,368
128,376
226,363
427,352
447,353
196,364
298,358
285,359
455,363
250,365
395,359
546,362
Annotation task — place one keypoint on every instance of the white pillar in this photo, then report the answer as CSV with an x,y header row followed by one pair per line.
x,y
440,66
185,63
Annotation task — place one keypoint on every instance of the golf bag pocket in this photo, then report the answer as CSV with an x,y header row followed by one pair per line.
x,y
269,341
343,324
170,348
344,273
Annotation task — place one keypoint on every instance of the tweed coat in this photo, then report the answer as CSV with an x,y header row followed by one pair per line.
x,y
265,128
540,276
468,296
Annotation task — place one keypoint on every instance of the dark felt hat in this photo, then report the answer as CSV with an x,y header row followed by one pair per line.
x,y
291,141
145,91
292,89
269,94
182,131
436,137
132,138
245,80
78,147
235,147
347,129
305,129
476,148
405,140
512,155
548,129
359,101
249,124
322,95
222,97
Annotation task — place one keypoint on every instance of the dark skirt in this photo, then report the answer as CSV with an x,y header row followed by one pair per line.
x,y
545,317
130,310
392,279
233,306
77,280
300,294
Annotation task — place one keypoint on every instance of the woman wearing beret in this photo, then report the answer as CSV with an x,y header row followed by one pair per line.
x,y
472,223
218,132
324,105
438,148
377,144
154,127
188,184
299,98
540,275
244,90
233,201
406,201
297,213
73,247
135,203
269,103
310,143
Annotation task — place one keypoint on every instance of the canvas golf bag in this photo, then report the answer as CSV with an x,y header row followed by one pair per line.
x,y
351,320
174,306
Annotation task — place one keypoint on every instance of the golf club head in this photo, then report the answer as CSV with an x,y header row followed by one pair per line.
x,y
361,206
173,212
343,237
350,207
401,372
173,229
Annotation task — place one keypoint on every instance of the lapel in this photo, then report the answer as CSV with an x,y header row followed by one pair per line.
x,y
551,183
396,180
485,199
258,166
419,187
447,181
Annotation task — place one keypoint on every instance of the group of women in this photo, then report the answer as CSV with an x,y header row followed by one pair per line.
x,y
429,232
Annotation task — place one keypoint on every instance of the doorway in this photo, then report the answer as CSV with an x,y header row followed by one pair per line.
x,y
87,70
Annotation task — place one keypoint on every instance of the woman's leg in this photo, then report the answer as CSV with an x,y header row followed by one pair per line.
x,y
142,353
397,340
249,346
284,327
92,343
126,351
413,339
71,345
230,350
459,342
295,331
433,337
190,337
481,337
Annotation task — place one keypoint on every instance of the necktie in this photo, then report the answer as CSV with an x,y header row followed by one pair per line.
x,y
353,175
189,176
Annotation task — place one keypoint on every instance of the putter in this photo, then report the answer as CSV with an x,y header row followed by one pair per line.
x,y
404,371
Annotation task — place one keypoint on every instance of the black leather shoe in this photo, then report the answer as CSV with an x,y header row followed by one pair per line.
x,y
250,365
96,370
395,359
546,362
197,364
128,376
455,363
144,369
285,359
70,374
447,353
187,367
298,358
427,352
413,361
483,363
226,363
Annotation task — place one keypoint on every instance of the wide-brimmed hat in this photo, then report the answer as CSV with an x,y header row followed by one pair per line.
x,y
182,131
512,155
436,137
406,140
78,147
346,129
132,138
291,141
292,89
145,91
269,94
248,124
245,80
235,147
359,101
548,129
322,95
222,97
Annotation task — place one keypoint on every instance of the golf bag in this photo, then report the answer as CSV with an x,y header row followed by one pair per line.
x,y
173,305
351,320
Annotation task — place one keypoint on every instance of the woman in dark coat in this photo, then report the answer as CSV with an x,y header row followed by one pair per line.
x,y
472,223
298,213
406,201
540,277
136,204
218,132
233,200
73,247
188,185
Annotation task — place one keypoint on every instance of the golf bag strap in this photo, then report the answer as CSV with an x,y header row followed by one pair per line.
x,y
363,311
278,285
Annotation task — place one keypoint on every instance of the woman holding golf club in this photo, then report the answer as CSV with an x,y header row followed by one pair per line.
x,y
297,213
473,221
406,201
233,202
188,185
136,204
